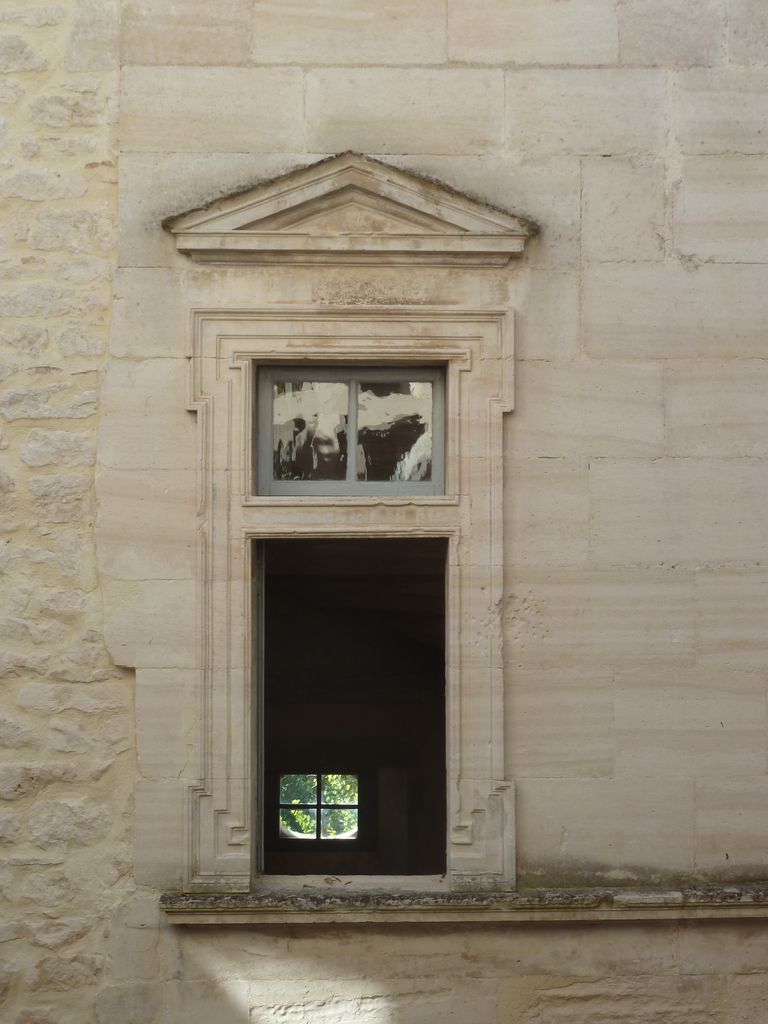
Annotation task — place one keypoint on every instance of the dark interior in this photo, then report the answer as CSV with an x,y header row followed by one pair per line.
x,y
354,682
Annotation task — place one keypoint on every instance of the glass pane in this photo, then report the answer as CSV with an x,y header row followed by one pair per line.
x,y
338,824
394,431
339,789
298,789
309,430
300,823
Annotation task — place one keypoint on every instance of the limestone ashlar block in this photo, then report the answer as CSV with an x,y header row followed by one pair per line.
x,y
166,738
681,34
546,305
158,833
721,209
146,321
212,109
533,32
156,32
586,409
605,620
349,32
144,424
731,823
667,310
146,526
93,36
223,1000
681,511
732,610
573,831
622,210
591,110
152,623
748,31
383,110
693,723
723,110
157,185
547,520
560,724
717,408
424,1000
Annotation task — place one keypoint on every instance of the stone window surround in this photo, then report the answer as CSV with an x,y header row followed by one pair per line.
x,y
475,347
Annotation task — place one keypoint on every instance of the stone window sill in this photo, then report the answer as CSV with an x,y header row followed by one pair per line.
x,y
564,905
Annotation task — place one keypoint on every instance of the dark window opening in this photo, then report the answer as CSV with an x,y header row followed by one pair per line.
x,y
353,710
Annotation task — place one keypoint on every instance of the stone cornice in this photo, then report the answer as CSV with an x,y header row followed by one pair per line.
x,y
542,905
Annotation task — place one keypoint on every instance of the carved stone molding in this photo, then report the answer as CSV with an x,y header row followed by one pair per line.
x,y
351,210
476,349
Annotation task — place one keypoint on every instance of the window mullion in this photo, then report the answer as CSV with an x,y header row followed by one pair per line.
x,y
352,432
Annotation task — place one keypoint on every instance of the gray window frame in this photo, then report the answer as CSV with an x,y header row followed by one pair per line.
x,y
352,375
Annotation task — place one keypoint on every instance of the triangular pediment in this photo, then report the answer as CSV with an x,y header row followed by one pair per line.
x,y
350,209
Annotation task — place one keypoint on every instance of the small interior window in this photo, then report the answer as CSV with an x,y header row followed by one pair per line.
x,y
331,431
320,806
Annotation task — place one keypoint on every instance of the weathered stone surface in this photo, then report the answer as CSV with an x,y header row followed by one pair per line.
x,y
33,403
52,934
626,1001
717,408
26,338
567,409
76,821
132,1003
721,209
678,512
724,111
662,311
18,781
40,185
379,110
56,447
10,827
693,723
533,32
623,210
93,38
602,619
566,836
14,734
560,724
17,55
58,974
731,610
61,497
548,513
197,113
57,111
74,341
146,321
73,230
684,33
152,32
54,697
348,32
605,112
748,32
139,428
41,300
35,17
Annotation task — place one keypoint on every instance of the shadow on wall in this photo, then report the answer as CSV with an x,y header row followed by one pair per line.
x,y
435,974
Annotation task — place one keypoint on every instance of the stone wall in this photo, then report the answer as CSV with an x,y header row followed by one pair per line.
x,y
635,132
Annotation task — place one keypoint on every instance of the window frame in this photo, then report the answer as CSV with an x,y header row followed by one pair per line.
x,y
266,485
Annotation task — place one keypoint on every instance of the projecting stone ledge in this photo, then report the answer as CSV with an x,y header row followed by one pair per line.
x,y
599,904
